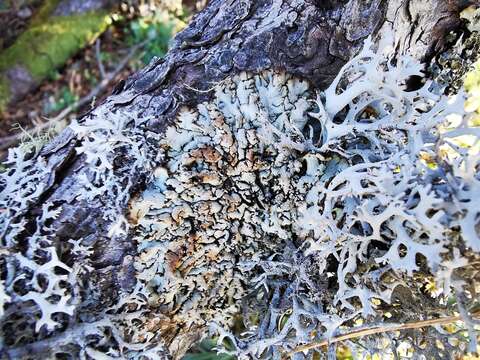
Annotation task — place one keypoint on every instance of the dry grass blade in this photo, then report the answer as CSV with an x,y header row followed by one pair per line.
x,y
379,330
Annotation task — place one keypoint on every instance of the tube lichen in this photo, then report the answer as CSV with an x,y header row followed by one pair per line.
x,y
303,213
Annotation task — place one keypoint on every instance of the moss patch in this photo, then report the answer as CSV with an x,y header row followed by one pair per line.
x,y
48,44
43,48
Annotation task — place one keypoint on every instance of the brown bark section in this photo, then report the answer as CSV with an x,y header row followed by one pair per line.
x,y
311,39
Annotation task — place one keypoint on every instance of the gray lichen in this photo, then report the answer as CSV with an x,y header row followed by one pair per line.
x,y
303,214
309,216
316,213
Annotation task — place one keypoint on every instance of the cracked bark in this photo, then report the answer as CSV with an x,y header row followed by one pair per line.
x,y
311,39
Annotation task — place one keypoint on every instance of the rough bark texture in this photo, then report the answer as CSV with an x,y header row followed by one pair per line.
x,y
311,39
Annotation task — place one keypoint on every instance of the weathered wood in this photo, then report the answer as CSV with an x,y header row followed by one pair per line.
x,y
310,39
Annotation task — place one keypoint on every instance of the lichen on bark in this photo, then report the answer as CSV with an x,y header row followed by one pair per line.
x,y
88,175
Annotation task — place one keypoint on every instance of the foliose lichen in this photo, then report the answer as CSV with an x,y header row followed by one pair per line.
x,y
310,216
303,214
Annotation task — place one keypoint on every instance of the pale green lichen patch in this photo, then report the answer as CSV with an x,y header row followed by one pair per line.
x,y
472,85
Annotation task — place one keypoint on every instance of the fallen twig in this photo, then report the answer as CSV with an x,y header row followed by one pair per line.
x,y
12,140
380,329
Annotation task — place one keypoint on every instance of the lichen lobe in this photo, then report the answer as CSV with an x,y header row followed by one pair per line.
x,y
267,191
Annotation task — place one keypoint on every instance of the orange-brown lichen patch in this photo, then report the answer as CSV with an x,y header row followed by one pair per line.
x,y
175,258
208,154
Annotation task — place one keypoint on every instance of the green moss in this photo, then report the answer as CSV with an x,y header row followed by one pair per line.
x,y
47,45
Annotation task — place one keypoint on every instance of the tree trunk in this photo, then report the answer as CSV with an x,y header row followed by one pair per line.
x,y
65,208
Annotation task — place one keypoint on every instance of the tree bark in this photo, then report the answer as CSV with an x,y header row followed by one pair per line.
x,y
310,39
